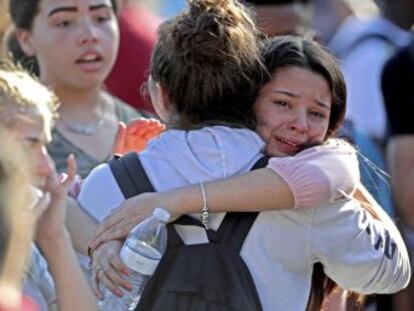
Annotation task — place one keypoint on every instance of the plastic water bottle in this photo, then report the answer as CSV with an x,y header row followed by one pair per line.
x,y
141,253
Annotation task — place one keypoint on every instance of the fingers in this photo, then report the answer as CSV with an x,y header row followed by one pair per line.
x,y
110,221
113,233
112,277
119,144
71,167
108,269
135,135
102,231
136,125
67,179
148,129
41,205
108,283
95,283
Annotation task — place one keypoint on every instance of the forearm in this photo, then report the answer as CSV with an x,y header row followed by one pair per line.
x,y
258,190
73,291
80,225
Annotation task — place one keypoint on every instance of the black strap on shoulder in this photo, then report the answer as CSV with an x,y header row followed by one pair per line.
x,y
133,180
130,175
236,226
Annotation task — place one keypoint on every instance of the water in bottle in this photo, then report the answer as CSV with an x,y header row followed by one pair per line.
x,y
141,253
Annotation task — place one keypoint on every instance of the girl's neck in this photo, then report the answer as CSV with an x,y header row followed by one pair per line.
x,y
83,106
80,99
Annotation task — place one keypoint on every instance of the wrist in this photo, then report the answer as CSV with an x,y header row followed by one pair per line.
x,y
169,201
51,244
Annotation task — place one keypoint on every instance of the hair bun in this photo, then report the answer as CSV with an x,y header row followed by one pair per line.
x,y
210,30
206,5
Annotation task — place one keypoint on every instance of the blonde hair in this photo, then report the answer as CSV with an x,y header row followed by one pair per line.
x,y
22,95
16,220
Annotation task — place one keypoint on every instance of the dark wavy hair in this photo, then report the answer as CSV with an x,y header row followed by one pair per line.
x,y
23,13
208,60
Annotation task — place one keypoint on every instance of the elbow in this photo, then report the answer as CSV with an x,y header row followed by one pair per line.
x,y
391,279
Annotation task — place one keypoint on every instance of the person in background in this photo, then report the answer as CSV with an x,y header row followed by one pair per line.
x,y
138,29
282,17
363,47
397,87
328,16
72,45
27,112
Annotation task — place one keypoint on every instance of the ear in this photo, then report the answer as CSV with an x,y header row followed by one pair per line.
x,y
165,97
163,102
25,40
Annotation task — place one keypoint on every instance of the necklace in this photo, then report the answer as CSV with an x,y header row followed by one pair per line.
x,y
82,128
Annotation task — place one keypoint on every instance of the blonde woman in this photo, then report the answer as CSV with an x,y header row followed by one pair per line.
x,y
27,112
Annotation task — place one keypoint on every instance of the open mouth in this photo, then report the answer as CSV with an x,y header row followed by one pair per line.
x,y
90,58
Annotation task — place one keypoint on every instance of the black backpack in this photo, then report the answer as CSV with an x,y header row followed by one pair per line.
x,y
202,277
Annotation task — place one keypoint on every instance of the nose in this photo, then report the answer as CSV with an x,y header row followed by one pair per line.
x,y
299,122
88,33
45,166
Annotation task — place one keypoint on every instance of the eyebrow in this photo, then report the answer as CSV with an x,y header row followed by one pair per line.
x,y
75,9
290,94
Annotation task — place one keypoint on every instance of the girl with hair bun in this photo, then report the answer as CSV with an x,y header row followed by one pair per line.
x,y
206,71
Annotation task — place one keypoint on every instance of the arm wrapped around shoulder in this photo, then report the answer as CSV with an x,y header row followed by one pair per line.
x,y
320,174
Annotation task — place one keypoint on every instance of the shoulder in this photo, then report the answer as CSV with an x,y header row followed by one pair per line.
x,y
100,192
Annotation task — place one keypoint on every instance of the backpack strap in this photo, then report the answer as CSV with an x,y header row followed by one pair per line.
x,y
130,175
236,226
133,180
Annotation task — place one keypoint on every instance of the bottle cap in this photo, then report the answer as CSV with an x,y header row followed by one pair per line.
x,y
161,214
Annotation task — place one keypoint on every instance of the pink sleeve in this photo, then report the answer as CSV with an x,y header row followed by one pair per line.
x,y
321,174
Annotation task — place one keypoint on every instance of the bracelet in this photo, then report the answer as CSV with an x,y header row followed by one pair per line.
x,y
204,211
90,254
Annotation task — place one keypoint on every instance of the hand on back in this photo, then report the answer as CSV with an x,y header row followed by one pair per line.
x,y
135,135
